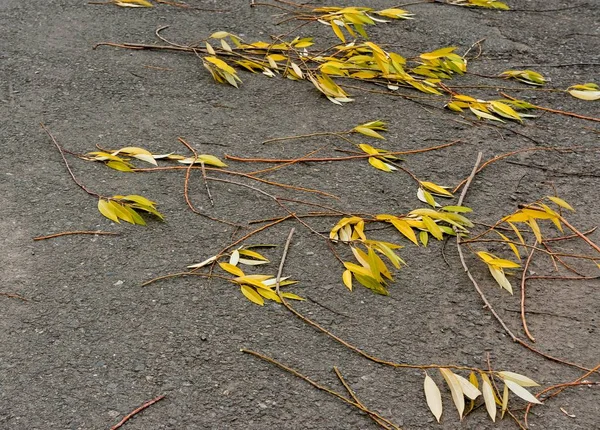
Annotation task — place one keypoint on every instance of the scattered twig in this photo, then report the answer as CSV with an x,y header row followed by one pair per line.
x,y
62,154
523,295
67,233
14,296
560,112
136,411
317,385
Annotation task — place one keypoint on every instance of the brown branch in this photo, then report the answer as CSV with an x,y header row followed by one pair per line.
x,y
580,234
560,112
14,296
67,233
383,423
62,154
523,295
315,384
136,411
561,388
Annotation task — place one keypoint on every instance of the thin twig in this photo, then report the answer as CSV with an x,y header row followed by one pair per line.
x,y
62,154
67,233
14,296
385,424
523,295
314,384
136,411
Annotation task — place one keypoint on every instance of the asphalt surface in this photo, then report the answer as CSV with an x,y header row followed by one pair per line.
x,y
90,344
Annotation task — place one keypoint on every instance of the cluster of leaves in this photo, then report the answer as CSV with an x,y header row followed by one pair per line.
x,y
493,110
461,388
256,287
527,216
127,208
526,76
488,4
371,271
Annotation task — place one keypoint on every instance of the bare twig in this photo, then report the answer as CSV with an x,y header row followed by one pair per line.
x,y
523,295
67,233
14,296
136,411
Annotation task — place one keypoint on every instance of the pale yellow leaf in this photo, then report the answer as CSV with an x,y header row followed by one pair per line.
x,y
522,380
488,397
468,388
521,392
433,397
230,268
347,279
252,295
456,390
107,210
560,202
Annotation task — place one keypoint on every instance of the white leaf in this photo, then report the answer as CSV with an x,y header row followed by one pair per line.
x,y
204,263
523,381
433,397
521,392
456,390
468,389
488,397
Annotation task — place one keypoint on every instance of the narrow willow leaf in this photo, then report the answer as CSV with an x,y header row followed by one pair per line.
x,y
252,295
488,396
137,199
433,397
481,114
137,218
107,210
435,188
500,278
133,3
468,388
253,254
230,268
473,379
347,279
560,202
371,284
456,390
512,246
433,228
522,380
203,263
119,165
120,212
521,392
269,294
504,400
505,110
404,228
536,229
234,258
249,262
368,132
424,237
378,164
219,35
462,209
292,296
585,95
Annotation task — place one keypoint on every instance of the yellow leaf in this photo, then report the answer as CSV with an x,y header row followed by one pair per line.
x,y
488,396
455,389
500,278
424,237
504,400
585,95
292,296
432,227
468,388
347,279
442,52
434,188
433,397
219,35
132,3
560,202
514,248
121,212
269,294
107,210
338,31
536,229
230,268
211,160
378,164
253,254
221,64
505,110
521,392
522,380
404,228
252,295
368,132
119,165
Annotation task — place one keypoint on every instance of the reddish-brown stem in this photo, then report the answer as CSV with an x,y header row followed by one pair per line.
x,y
67,233
62,154
580,234
523,295
323,159
561,388
560,112
136,411
14,296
